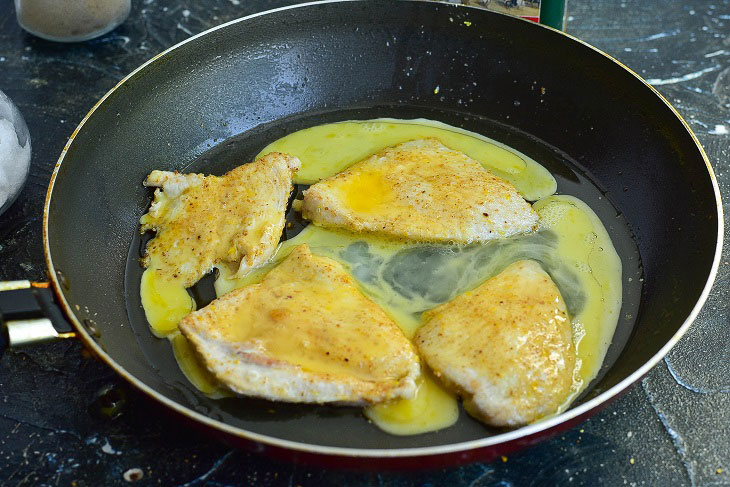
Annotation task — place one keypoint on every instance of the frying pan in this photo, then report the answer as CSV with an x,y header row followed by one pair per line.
x,y
213,101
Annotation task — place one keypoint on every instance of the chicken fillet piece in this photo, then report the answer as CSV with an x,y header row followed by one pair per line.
x,y
420,190
202,221
304,334
506,346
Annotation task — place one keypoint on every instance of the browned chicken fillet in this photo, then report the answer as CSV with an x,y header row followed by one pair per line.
x,y
506,346
201,220
304,334
420,190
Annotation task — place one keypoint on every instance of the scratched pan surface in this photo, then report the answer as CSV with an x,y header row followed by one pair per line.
x,y
214,101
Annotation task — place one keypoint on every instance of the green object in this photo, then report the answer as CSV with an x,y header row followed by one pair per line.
x,y
552,13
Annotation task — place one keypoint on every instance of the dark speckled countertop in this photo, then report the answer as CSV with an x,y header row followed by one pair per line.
x,y
673,428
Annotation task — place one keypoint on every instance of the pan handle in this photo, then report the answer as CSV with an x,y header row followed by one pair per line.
x,y
29,314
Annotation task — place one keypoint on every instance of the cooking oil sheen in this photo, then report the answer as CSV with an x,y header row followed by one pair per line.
x,y
327,149
164,300
407,278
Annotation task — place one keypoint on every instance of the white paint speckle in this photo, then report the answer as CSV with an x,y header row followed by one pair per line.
x,y
186,13
184,29
661,35
719,130
109,449
680,79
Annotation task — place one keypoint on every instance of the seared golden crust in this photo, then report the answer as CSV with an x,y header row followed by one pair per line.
x,y
420,190
505,346
304,334
205,220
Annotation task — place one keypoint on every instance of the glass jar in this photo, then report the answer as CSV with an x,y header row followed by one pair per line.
x,y
71,20
14,152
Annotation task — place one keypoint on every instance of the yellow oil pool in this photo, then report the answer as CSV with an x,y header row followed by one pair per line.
x,y
406,279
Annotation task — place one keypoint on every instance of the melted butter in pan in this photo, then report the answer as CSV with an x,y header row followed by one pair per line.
x,y
406,279
431,409
327,149
165,301
193,369
367,192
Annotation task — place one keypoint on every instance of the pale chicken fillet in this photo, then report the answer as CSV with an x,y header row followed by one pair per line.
x,y
506,346
304,334
201,221
420,190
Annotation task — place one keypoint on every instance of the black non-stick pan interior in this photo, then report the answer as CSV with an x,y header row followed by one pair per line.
x,y
215,101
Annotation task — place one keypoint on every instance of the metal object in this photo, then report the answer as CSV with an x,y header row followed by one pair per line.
x,y
13,285
26,313
31,332
321,62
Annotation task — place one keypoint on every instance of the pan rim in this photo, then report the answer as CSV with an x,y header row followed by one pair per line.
x,y
308,448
